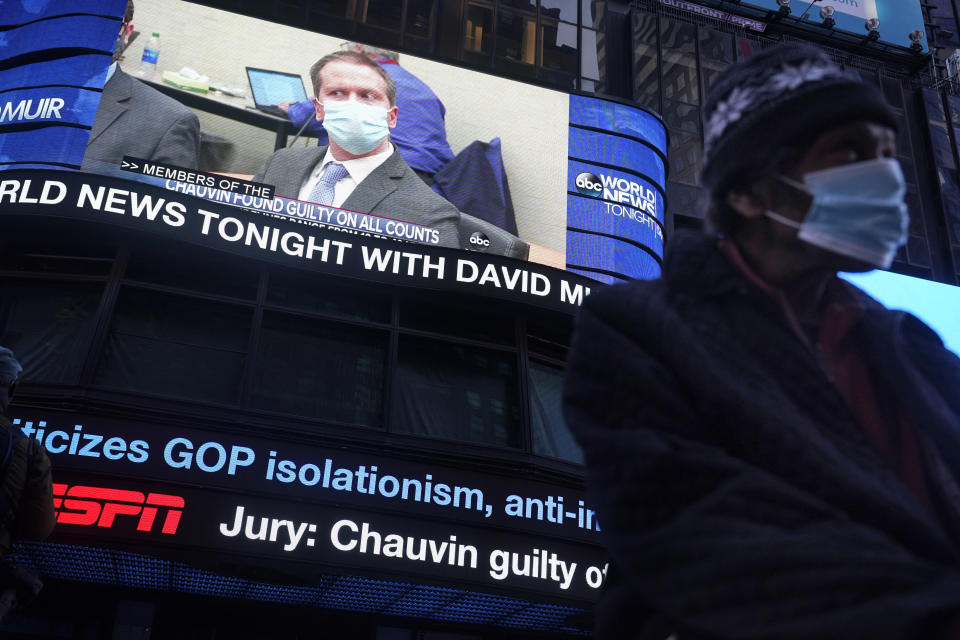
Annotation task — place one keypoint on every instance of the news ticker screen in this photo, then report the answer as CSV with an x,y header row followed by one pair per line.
x,y
176,490
567,181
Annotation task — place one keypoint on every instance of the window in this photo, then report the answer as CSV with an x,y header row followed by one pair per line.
x,y
205,272
48,326
462,319
479,28
680,79
716,54
550,434
589,55
320,369
306,292
456,392
516,37
559,10
560,46
646,60
176,346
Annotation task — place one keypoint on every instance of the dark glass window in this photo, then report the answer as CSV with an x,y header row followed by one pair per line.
x,y
560,47
918,251
680,79
646,60
942,147
950,197
66,254
467,319
589,54
516,37
214,273
682,116
316,293
917,226
593,12
48,327
892,92
549,336
684,199
456,392
684,156
559,9
331,16
320,369
176,346
381,13
479,28
550,434
526,5
420,18
716,54
333,7
934,105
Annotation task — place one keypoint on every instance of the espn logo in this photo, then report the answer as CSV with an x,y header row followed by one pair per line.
x,y
100,506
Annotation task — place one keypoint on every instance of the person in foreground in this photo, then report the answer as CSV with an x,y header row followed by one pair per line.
x,y
361,170
26,493
770,452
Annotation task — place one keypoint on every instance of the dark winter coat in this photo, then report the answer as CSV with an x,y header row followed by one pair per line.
x,y
738,494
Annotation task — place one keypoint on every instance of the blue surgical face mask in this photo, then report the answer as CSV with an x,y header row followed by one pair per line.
x,y
355,126
857,211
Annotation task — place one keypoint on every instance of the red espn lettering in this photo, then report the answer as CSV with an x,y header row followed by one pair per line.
x,y
88,506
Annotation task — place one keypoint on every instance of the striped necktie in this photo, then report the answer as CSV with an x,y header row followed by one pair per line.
x,y
323,191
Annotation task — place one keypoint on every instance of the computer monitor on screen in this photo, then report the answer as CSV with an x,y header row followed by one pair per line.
x,y
270,88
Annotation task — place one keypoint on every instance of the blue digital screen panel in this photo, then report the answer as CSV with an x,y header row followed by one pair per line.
x,y
50,147
612,255
623,119
84,70
605,278
620,187
616,173
611,150
54,62
591,215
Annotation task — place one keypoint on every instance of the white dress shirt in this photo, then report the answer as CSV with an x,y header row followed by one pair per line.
x,y
357,170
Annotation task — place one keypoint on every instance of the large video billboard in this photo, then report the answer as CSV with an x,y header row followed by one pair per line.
x,y
483,164
175,489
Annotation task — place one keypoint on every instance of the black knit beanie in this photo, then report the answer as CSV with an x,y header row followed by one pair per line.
x,y
786,93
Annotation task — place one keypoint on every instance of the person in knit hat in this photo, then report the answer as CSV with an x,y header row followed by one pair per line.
x,y
770,452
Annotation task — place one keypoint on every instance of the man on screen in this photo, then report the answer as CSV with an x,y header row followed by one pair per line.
x,y
420,134
136,120
361,170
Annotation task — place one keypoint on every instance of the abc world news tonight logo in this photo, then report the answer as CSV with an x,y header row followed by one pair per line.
x,y
622,197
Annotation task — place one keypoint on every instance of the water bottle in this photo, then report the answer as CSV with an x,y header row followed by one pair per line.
x,y
151,51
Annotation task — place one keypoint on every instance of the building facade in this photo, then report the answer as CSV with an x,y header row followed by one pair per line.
x,y
239,396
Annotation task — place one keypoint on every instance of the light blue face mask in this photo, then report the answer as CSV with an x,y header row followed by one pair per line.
x,y
355,126
857,211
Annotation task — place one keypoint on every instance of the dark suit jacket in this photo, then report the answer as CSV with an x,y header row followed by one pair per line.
x,y
738,494
136,120
392,190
